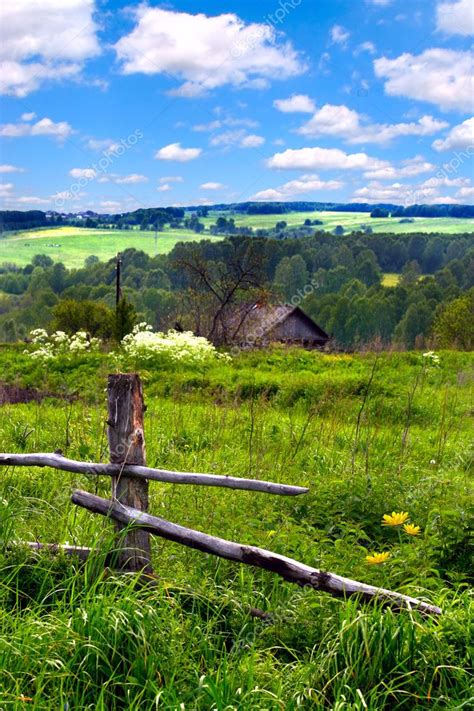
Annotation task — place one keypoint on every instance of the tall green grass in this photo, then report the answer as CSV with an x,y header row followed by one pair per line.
x,y
77,637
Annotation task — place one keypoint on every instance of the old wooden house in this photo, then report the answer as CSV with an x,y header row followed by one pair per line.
x,y
258,325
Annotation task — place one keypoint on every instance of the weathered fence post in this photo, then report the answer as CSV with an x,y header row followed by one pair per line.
x,y
127,446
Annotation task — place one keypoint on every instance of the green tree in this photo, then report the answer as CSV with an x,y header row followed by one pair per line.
x,y
91,316
125,319
291,276
415,323
454,323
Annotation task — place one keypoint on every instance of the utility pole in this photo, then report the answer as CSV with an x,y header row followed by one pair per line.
x,y
118,290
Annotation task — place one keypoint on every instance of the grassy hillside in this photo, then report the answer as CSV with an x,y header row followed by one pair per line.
x,y
351,221
71,245
69,635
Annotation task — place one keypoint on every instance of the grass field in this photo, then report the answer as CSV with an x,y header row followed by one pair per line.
x,y
389,279
71,245
71,637
351,221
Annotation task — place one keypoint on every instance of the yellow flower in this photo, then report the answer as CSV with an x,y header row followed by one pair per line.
x,y
376,558
394,519
411,529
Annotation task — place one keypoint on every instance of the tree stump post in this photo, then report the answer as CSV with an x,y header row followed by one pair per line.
x,y
127,446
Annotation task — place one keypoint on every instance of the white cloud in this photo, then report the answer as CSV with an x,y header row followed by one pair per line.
x,y
171,179
408,168
212,186
174,151
44,40
366,47
205,52
466,193
164,188
349,124
105,145
221,123
83,173
460,136
455,18
304,184
131,179
252,141
29,116
31,200
110,205
439,76
401,193
323,158
380,3
339,34
298,103
237,138
6,190
6,168
44,127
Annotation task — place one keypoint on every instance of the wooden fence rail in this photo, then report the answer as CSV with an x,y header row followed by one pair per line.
x,y
128,506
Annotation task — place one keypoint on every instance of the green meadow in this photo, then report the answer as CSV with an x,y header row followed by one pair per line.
x,y
351,221
71,245
369,434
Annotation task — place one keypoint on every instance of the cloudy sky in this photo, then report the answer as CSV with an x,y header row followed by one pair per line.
x,y
114,105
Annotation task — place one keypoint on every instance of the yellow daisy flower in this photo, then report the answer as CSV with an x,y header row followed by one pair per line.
x,y
411,529
376,558
394,519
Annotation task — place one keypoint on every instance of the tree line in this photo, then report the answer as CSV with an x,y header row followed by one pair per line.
x,y
338,282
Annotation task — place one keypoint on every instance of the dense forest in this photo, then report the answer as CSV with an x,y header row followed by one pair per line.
x,y
339,282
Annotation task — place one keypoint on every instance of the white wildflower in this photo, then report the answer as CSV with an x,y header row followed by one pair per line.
x,y
144,345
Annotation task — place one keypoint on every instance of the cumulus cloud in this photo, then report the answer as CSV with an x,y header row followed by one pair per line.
x,y
47,40
465,194
164,188
324,159
83,173
45,127
221,123
438,76
339,34
459,137
237,138
365,47
211,186
174,151
304,184
298,103
7,168
205,52
408,168
171,179
349,124
455,18
29,116
6,190
131,179
426,192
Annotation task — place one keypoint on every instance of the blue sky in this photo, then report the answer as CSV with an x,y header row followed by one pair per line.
x,y
112,106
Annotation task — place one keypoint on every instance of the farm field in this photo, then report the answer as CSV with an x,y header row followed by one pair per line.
x,y
368,434
351,221
71,245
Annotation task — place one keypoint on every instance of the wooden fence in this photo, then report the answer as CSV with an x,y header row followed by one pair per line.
x,y
128,505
